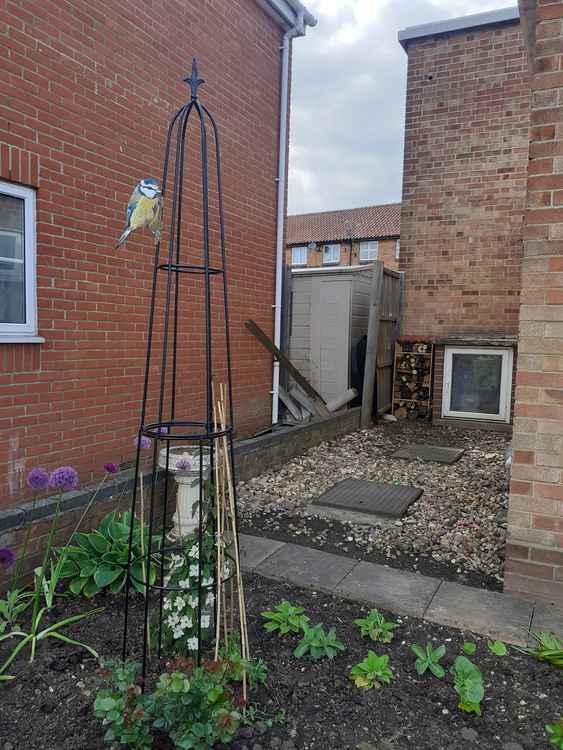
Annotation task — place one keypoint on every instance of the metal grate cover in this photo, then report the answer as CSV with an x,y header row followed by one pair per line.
x,y
373,498
437,453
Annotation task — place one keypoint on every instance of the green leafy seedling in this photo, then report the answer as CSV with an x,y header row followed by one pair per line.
x,y
497,648
469,648
371,672
429,658
318,644
468,684
555,733
376,627
548,648
285,618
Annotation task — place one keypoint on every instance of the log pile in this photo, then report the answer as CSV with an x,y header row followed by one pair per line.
x,y
412,384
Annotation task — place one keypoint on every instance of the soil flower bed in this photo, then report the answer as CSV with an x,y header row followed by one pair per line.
x,y
304,704
455,530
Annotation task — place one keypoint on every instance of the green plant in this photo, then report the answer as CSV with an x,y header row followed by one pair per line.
x,y
285,618
63,478
469,648
98,560
371,672
498,648
429,658
468,683
318,643
555,733
376,627
548,648
14,604
197,710
122,707
256,669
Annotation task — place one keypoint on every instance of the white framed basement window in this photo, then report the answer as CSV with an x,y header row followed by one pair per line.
x,y
299,256
331,254
18,293
477,383
369,251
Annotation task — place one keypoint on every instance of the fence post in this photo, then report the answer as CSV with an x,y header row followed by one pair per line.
x,y
372,343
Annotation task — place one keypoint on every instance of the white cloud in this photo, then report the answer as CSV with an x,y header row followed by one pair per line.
x,y
349,76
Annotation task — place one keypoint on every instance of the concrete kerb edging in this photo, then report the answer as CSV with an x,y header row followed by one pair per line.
x,y
466,608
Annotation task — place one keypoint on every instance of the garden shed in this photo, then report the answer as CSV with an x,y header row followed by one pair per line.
x,y
329,315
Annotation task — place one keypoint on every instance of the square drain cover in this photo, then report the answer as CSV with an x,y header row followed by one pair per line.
x,y
373,498
436,453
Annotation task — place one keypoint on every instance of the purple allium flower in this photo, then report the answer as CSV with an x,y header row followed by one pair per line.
x,y
184,464
111,468
162,431
38,479
64,478
7,558
145,442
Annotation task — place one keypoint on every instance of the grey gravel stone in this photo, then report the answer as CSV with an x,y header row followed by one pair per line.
x,y
469,734
275,743
512,746
8,746
257,746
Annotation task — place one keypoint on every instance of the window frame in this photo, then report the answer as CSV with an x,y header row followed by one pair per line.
x,y
369,242
505,383
331,262
293,249
28,330
397,249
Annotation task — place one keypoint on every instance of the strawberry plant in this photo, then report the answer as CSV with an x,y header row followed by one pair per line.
x,y
376,627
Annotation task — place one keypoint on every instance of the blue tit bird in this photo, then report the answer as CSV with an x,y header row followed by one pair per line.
x,y
144,210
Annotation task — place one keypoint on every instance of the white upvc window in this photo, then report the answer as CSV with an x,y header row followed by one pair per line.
x,y
369,251
477,383
331,254
397,249
299,256
18,295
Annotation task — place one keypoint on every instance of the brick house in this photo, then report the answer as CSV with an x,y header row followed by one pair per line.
x,y
348,237
462,218
87,91
481,231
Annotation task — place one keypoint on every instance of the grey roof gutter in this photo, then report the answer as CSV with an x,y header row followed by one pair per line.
x,y
288,13
461,24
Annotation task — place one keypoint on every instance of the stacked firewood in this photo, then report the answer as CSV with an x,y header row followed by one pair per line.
x,y
412,380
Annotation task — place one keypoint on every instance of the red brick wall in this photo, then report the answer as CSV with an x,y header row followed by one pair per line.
x,y
466,150
534,554
87,91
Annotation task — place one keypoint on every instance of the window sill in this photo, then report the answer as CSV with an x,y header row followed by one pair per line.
x,y
22,339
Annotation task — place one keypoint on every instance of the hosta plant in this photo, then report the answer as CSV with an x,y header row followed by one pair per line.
x,y
318,644
555,733
98,560
429,658
371,672
468,683
376,627
285,618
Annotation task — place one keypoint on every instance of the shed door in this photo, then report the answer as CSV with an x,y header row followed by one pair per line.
x,y
330,336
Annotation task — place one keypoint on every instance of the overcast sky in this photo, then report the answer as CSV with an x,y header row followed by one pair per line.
x,y
348,99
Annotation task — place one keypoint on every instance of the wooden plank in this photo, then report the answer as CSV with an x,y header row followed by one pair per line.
x,y
280,357
372,343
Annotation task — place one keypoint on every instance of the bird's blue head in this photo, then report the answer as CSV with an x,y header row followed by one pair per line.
x,y
149,187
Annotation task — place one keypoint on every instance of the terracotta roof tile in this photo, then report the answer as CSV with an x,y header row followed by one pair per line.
x,y
369,222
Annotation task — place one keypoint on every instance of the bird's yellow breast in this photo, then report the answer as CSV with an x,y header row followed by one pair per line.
x,y
143,213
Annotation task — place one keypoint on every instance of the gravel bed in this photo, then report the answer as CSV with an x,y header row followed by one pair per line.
x,y
456,529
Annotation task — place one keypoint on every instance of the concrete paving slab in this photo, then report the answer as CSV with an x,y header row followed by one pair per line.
x,y
436,453
306,567
396,590
485,612
255,549
548,617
